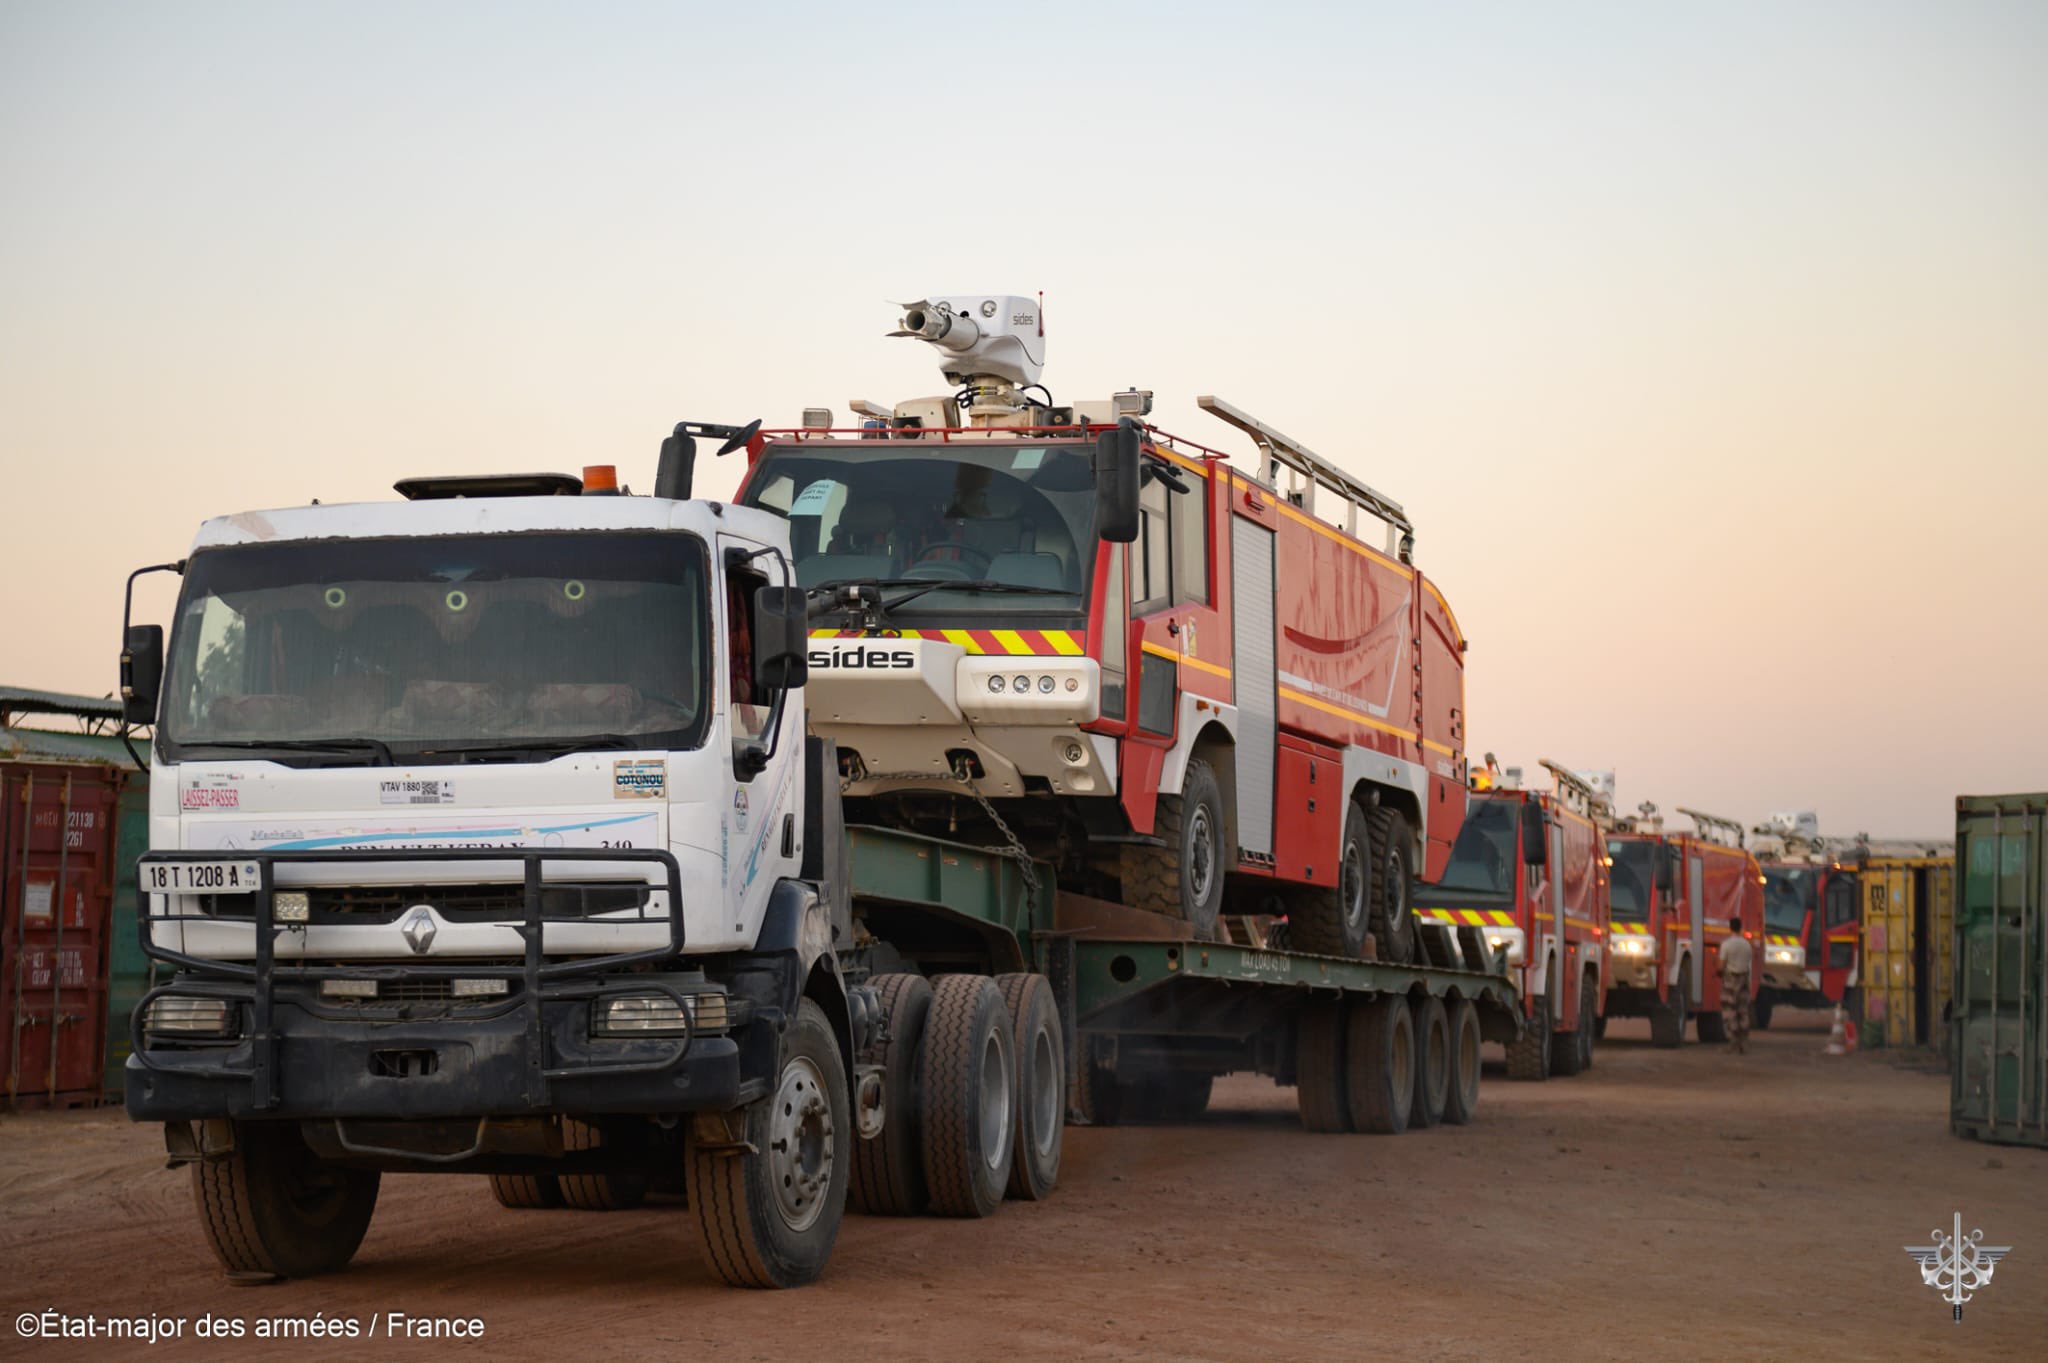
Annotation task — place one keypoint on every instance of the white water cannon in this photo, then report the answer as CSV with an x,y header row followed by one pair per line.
x,y
999,337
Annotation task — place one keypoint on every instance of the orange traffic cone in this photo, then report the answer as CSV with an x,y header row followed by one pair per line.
x,y
1838,1036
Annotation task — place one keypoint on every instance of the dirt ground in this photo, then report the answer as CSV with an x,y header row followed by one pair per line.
x,y
1667,1205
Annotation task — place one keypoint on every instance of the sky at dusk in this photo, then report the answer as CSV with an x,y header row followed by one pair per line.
x,y
1706,343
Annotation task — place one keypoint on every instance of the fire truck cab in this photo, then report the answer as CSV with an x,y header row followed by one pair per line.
x,y
1674,896
1812,916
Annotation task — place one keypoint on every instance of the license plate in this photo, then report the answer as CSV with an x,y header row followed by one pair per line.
x,y
201,877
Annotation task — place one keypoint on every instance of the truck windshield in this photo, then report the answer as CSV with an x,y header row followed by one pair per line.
x,y
1635,873
424,648
1788,894
1483,858
1020,516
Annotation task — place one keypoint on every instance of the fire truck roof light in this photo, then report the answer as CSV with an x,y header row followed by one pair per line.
x,y
817,418
600,478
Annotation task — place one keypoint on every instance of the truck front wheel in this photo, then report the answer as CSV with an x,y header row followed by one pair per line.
x,y
1184,877
1667,1020
275,1209
768,1212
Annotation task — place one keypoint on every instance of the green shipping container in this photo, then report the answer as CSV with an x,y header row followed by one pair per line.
x,y
128,970
1999,1044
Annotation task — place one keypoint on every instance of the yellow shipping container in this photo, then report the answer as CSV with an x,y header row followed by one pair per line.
x,y
1907,972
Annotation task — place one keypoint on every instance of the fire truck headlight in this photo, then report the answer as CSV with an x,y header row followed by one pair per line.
x,y
1783,955
1636,946
1508,942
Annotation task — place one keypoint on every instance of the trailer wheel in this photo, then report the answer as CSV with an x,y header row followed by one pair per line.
x,y
1667,1019
1381,1048
1335,920
523,1192
1319,1086
1393,885
1184,878
888,1171
275,1208
1041,1085
1529,1054
1461,1096
1096,1098
768,1212
969,1072
607,1192
1432,1063
1760,1012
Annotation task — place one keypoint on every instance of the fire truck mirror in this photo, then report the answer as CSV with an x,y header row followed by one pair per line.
x,y
781,633
1119,460
142,672
1667,871
1535,847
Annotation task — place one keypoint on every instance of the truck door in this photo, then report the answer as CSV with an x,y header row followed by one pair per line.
x,y
1696,915
1834,954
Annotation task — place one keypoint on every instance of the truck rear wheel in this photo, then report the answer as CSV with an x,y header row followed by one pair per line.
x,y
1667,1019
1707,1022
1184,878
1041,1085
1529,1053
1335,920
523,1192
274,1208
1432,1063
1319,1086
607,1192
767,1213
1461,1097
969,1075
1393,897
1380,1045
888,1171
1567,1056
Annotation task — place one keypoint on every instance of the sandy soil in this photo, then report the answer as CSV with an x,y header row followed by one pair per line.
x,y
1666,1205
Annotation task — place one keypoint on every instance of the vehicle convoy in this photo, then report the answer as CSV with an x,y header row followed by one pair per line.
x,y
1674,897
1180,686
1529,869
487,837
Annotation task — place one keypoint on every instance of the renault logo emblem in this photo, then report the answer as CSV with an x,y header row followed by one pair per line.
x,y
417,927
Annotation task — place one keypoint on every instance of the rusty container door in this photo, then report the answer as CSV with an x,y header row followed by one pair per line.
x,y
57,840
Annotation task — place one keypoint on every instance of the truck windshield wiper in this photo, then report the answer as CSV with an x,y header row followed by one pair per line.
x,y
554,746
377,747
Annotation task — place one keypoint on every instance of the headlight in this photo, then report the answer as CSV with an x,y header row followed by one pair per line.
x,y
657,1014
1785,955
1636,945
1508,942
182,1016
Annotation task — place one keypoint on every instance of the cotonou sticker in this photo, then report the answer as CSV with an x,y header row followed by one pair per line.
x,y
639,778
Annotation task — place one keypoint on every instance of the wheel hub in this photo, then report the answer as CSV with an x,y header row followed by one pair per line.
x,y
1201,861
800,1143
995,1103
1352,880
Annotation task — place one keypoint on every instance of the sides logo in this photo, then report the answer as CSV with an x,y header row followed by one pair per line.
x,y
1957,1265
860,659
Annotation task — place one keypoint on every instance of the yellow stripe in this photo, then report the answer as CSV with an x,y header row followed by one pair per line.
x,y
1503,919
1367,720
1330,531
1456,629
1156,651
1199,470
962,638
1063,642
1434,746
1011,641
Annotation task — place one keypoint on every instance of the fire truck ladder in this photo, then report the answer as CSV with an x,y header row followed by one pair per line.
x,y
1714,828
1577,795
1281,450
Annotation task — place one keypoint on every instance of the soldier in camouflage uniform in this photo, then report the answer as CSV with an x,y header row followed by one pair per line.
x,y
1737,957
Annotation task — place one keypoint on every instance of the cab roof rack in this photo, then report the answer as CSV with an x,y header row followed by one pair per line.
x,y
489,485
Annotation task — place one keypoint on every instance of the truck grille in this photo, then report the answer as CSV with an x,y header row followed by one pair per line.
x,y
369,905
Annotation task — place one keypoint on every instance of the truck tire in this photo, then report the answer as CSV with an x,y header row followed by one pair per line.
x,y
1041,1102
1667,1019
1567,1055
607,1192
767,1214
1432,1063
1461,1097
1760,1012
1393,888
1707,1022
523,1192
969,1076
273,1208
1319,1086
1529,1054
1184,878
1096,1098
1336,920
1380,1046
888,1172
1589,1024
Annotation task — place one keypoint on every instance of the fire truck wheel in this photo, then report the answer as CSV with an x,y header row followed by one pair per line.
x,y
1041,1084
1667,1019
969,1078
1760,1013
1319,1086
1393,912
1600,1028
1335,920
767,1212
1184,878
888,1172
1461,1097
1707,1023
609,1192
1529,1053
1432,1063
526,1191
1381,1048
1589,988
275,1208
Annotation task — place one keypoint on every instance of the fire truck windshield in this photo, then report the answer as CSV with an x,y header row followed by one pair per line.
x,y
1019,516
1635,871
348,650
1483,858
1788,895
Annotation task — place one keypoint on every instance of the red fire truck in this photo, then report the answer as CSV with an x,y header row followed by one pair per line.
x,y
1674,895
1061,628
1530,868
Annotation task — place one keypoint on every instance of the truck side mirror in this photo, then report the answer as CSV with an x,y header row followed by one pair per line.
x,y
1535,846
1667,871
782,631
1119,463
142,672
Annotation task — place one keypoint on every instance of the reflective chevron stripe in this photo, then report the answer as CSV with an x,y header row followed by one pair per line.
x,y
1034,643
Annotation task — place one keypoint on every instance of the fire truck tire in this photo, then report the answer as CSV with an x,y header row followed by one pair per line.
x,y
1319,1087
1432,1063
1336,920
1381,1048
767,1213
1184,878
1707,1022
887,1178
1529,1054
1589,1025
274,1208
609,1192
523,1192
1041,1102
1760,1012
969,1078
1600,1028
1667,1020
1393,887
1461,1096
